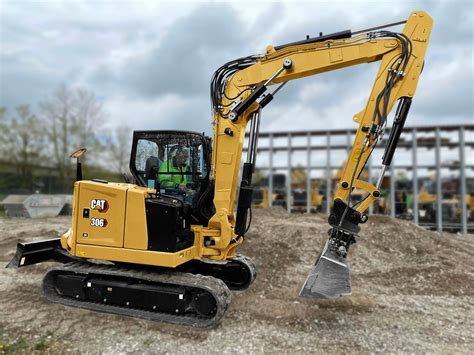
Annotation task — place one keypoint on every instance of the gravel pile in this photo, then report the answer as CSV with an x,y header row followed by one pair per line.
x,y
412,292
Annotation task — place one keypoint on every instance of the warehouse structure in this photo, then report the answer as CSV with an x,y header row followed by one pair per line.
x,y
434,161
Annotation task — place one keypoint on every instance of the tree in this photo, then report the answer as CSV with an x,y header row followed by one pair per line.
x,y
72,118
3,131
119,146
88,118
22,142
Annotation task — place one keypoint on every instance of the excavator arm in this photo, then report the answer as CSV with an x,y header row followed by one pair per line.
x,y
240,91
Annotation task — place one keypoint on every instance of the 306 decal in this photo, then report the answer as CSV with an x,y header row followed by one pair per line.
x,y
98,222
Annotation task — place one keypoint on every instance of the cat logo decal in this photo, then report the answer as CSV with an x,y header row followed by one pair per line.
x,y
100,205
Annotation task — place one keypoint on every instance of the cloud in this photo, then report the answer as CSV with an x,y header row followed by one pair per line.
x,y
183,61
24,77
69,39
448,93
166,112
330,111
151,62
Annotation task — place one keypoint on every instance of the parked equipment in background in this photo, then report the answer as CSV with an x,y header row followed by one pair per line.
x,y
171,238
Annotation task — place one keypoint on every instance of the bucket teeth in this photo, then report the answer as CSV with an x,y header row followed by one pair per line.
x,y
329,278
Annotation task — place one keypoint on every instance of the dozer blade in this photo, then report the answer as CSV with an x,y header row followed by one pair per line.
x,y
37,252
329,278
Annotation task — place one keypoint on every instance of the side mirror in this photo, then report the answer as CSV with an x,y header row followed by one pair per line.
x,y
77,155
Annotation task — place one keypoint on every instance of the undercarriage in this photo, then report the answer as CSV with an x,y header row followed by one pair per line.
x,y
197,293
173,297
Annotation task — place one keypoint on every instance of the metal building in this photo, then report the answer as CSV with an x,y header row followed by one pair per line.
x,y
434,165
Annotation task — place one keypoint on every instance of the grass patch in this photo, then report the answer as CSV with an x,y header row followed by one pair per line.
x,y
41,345
24,345
19,345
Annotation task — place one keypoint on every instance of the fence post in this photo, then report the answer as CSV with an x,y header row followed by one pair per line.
x,y
439,192
328,173
415,176
270,174
288,188
462,173
308,173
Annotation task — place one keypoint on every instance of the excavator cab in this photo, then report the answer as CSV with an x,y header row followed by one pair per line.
x,y
177,164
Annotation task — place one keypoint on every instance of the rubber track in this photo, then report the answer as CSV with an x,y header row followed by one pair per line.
x,y
241,259
215,286
250,265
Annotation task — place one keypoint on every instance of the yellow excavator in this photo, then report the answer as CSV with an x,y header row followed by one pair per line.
x,y
164,248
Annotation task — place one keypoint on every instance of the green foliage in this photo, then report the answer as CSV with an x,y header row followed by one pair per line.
x,y
47,180
119,146
258,177
35,147
18,345
41,345
72,119
22,141
25,344
402,176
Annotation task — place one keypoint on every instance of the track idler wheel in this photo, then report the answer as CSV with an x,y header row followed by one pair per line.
x,y
204,304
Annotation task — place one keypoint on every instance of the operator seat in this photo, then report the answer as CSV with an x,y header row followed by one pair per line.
x,y
152,165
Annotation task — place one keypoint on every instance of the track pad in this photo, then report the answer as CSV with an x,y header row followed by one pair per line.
x,y
329,278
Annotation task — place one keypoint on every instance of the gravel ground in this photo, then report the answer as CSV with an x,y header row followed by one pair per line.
x,y
412,292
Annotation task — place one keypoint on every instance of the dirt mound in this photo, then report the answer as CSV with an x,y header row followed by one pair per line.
x,y
15,230
394,256
412,292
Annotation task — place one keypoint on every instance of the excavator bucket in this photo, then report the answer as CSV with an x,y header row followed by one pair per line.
x,y
329,278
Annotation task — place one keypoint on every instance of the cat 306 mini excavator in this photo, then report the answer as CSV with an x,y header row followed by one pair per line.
x,y
164,248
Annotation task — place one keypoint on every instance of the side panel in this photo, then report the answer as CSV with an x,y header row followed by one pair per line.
x,y
68,239
101,213
135,225
134,256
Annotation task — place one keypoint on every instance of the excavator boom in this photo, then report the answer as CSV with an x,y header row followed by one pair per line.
x,y
239,92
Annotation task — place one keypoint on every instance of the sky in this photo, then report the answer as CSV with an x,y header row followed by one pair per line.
x,y
150,62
